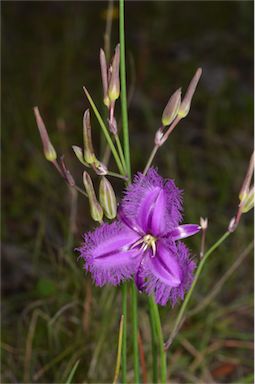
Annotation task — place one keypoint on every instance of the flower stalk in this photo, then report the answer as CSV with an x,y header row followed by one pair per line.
x,y
180,317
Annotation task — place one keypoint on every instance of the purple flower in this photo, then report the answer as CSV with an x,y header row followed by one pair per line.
x,y
144,241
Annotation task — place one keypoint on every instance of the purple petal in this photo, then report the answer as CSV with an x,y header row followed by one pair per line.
x,y
153,203
169,274
107,255
139,280
183,231
164,266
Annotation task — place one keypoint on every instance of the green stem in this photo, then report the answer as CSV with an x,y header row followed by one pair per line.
x,y
152,155
135,332
189,294
124,334
154,346
105,131
162,354
119,146
124,115
123,95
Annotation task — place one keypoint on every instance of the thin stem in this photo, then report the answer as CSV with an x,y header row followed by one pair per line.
x,y
80,190
123,95
162,354
135,332
154,346
124,334
117,368
189,294
124,116
119,146
114,174
105,131
152,155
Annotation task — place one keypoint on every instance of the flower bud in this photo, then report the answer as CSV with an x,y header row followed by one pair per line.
x,y
185,104
48,149
247,201
95,208
104,75
107,198
89,155
79,154
172,108
114,84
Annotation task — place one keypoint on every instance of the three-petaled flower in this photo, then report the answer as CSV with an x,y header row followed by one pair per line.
x,y
144,241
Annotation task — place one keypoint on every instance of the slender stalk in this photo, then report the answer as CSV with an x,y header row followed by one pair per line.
x,y
105,131
123,95
154,346
124,334
152,155
114,174
119,146
135,332
124,116
162,354
117,368
189,294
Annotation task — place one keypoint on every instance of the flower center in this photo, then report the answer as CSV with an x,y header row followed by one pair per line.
x,y
149,241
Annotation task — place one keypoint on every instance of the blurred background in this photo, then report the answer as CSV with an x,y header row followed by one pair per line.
x,y
52,314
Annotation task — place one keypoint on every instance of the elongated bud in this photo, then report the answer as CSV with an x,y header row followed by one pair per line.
x,y
114,84
247,180
79,154
66,173
89,155
96,210
171,110
107,198
104,75
247,201
186,102
48,149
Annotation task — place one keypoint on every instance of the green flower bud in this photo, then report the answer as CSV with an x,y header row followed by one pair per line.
x,y
89,155
48,149
247,201
79,154
96,210
114,84
103,67
172,108
185,104
107,198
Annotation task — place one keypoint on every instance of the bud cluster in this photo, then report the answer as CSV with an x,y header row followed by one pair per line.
x,y
111,85
107,198
108,204
176,109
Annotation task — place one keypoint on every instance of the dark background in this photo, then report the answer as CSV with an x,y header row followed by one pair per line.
x,y
52,314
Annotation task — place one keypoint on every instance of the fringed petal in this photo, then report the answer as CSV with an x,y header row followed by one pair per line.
x,y
153,203
107,255
169,274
